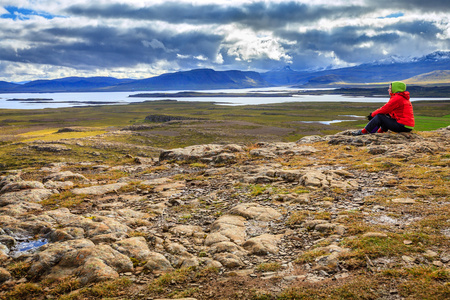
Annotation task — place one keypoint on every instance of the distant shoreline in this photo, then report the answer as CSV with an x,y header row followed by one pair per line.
x,y
219,97
416,91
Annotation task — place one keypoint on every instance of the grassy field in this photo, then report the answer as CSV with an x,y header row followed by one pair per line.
x,y
205,123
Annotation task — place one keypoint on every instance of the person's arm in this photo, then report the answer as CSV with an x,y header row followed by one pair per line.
x,y
392,104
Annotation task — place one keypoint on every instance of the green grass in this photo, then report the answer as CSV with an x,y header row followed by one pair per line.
x,y
103,290
220,124
268,267
425,123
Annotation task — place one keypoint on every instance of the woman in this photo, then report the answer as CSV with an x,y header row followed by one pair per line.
x,y
396,115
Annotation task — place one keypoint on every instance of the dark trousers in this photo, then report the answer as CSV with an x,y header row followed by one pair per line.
x,y
386,123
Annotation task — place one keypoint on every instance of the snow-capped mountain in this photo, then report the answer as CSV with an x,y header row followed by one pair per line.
x,y
389,69
395,59
435,56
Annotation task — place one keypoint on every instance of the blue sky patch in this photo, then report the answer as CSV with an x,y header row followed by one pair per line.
x,y
393,16
21,14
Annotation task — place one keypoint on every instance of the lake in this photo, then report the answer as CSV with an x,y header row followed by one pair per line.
x,y
56,100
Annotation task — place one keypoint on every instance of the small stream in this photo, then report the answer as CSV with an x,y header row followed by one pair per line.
x,y
26,245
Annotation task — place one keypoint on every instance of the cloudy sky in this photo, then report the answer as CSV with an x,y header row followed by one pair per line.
x,y
143,38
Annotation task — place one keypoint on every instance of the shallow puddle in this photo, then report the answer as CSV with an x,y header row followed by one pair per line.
x,y
27,246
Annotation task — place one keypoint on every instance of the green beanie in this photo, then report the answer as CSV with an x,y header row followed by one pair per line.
x,y
398,86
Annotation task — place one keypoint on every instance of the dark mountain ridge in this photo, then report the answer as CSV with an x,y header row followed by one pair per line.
x,y
199,79
204,79
73,84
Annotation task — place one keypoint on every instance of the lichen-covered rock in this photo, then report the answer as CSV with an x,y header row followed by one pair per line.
x,y
20,208
51,254
4,275
289,175
157,262
314,179
29,195
21,185
310,139
65,176
229,260
325,227
179,257
192,152
186,230
215,237
67,233
232,227
262,153
55,148
99,189
263,244
93,226
4,249
135,247
104,225
9,179
227,247
59,185
93,264
224,158
96,270
175,248
108,238
256,212
7,240
329,262
63,217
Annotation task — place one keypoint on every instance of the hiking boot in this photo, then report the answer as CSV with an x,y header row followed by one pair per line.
x,y
359,132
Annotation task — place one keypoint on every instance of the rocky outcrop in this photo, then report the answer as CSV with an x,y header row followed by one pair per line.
x,y
240,208
92,263
205,153
100,189
165,118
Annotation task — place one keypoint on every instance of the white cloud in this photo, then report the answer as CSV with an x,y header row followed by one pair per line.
x,y
229,34
246,45
201,57
3,11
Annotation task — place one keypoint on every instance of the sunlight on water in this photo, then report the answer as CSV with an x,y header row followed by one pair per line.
x,y
56,100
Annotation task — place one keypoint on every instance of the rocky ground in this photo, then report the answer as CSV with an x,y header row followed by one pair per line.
x,y
339,216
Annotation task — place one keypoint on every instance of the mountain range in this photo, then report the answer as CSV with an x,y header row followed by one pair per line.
x,y
432,68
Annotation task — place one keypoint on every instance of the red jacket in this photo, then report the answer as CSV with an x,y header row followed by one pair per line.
x,y
399,108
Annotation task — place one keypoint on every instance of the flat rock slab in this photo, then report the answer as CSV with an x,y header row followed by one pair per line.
x,y
99,189
375,234
64,176
21,185
256,212
404,201
33,195
20,208
230,228
263,244
193,152
187,230
50,148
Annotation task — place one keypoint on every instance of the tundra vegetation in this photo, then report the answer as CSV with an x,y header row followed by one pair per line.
x,y
171,199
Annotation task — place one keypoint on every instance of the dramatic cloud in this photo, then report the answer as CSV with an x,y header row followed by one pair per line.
x,y
143,38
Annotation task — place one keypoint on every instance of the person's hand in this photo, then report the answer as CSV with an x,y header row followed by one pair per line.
x,y
369,117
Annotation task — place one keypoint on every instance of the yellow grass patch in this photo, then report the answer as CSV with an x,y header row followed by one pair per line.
x,y
52,135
